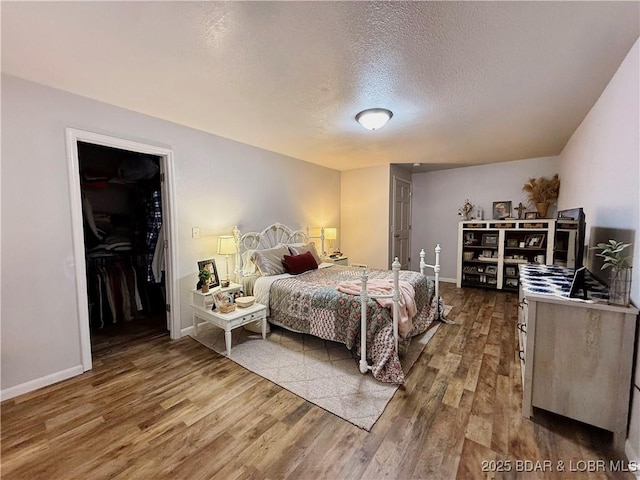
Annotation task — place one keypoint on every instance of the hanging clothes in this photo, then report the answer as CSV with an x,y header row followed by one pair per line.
x,y
157,265
154,224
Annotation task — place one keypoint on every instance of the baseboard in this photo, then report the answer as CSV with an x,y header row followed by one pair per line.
x,y
633,459
32,385
448,280
187,331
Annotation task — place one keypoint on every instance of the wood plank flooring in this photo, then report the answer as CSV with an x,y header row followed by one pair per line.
x,y
174,409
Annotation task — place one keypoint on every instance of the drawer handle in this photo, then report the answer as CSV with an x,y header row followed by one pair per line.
x,y
521,327
521,354
523,303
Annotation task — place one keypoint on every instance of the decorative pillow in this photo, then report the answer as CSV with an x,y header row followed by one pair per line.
x,y
269,261
297,249
295,264
248,266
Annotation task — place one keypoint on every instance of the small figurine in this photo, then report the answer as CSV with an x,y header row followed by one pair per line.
x,y
520,209
465,210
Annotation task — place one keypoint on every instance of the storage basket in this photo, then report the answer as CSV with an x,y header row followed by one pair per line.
x,y
244,302
467,256
226,307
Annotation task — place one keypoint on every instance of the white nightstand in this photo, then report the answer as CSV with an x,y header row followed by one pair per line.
x,y
338,260
206,300
231,320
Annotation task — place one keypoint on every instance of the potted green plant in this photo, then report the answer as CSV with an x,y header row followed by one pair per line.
x,y
542,192
620,276
204,276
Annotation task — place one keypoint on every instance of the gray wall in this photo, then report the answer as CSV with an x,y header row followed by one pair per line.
x,y
218,183
437,196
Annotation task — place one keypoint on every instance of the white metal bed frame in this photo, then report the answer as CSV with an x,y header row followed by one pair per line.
x,y
279,234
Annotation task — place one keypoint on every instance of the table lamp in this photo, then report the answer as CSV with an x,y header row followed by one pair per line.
x,y
226,247
330,233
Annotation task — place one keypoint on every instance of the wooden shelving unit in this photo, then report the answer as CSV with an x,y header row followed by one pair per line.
x,y
489,251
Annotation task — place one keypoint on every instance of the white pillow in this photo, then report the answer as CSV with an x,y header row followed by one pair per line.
x,y
248,265
269,261
299,248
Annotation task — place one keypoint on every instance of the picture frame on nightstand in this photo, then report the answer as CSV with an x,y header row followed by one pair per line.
x,y
210,265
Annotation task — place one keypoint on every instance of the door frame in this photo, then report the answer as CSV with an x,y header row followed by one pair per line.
x,y
73,136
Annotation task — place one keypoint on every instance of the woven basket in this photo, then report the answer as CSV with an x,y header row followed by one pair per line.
x,y
226,307
244,302
467,255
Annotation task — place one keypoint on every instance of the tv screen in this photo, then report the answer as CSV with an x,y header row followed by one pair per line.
x,y
570,238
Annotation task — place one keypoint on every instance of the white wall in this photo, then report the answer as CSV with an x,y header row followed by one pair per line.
x,y
365,215
600,168
438,195
219,183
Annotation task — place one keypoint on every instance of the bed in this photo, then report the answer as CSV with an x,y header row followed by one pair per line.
x,y
326,300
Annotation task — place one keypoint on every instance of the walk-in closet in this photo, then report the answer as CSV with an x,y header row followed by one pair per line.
x,y
124,245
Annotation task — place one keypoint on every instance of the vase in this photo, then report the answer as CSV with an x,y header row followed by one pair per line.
x,y
205,288
542,208
620,287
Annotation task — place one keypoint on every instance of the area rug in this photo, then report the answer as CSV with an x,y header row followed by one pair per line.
x,y
322,372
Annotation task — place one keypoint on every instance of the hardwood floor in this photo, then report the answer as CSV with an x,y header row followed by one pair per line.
x,y
116,336
174,409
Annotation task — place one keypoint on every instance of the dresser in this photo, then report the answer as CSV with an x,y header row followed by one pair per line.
x,y
576,355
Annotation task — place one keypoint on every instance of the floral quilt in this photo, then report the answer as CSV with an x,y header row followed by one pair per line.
x,y
310,303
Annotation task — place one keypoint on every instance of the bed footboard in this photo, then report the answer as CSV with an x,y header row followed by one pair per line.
x,y
395,296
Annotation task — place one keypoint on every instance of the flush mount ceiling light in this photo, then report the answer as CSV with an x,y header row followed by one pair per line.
x,y
374,118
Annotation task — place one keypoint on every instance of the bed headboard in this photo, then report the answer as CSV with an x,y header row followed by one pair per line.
x,y
272,236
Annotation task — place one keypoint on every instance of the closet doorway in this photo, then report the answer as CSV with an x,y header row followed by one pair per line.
x,y
122,227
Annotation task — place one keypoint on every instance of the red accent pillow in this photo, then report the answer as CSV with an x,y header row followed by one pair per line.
x,y
295,264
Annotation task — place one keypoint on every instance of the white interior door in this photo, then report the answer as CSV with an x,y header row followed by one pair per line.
x,y
401,221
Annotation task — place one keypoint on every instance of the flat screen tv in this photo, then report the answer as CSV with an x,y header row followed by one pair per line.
x,y
570,228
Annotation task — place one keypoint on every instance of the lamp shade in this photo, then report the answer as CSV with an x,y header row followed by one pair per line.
x,y
226,245
330,233
374,118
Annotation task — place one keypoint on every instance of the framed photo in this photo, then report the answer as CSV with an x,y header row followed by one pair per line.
x,y
512,242
470,238
490,239
511,282
491,269
534,241
510,271
501,210
210,265
530,215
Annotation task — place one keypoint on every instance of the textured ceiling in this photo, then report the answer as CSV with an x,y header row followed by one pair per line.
x,y
469,83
